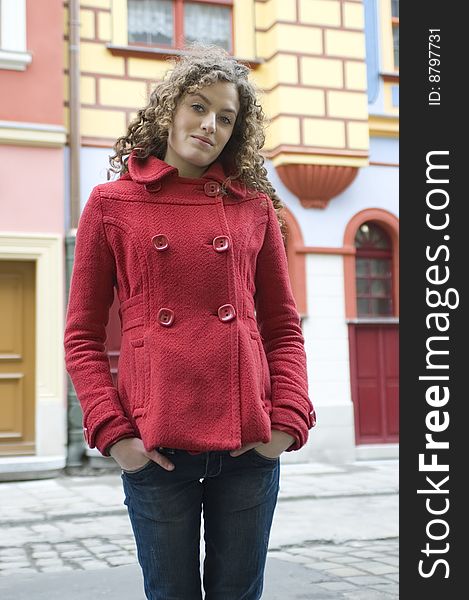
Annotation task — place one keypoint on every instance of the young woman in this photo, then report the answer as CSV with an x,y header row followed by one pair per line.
x,y
212,382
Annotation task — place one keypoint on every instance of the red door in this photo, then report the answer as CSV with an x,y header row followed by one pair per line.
x,y
374,340
374,354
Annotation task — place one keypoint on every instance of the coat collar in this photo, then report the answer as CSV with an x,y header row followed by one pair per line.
x,y
153,169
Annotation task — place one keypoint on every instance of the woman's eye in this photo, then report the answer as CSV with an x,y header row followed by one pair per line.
x,y
200,108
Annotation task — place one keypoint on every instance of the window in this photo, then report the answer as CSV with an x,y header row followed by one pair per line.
x,y
172,23
13,54
151,22
395,31
373,271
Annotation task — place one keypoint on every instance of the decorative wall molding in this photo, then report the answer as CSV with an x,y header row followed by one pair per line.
x,y
316,185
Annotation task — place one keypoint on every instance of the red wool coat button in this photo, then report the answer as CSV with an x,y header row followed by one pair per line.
x,y
160,241
221,243
153,187
165,316
212,188
226,312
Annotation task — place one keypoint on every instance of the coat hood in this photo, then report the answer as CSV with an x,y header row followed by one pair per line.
x,y
152,169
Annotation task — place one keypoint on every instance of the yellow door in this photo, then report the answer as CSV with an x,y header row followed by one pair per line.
x,y
17,357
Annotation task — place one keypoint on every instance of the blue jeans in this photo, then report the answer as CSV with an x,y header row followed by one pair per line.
x,y
238,496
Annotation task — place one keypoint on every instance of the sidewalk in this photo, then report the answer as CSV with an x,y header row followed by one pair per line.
x,y
335,535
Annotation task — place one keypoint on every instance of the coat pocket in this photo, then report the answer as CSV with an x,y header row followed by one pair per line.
x,y
138,375
263,370
133,340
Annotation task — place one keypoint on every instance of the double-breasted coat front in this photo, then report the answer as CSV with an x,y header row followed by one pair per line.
x,y
212,353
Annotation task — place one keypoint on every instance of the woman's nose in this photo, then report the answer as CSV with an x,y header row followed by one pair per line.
x,y
209,123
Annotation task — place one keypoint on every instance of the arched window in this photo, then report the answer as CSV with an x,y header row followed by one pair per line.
x,y
373,269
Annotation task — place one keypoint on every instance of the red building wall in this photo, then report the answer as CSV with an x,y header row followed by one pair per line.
x,y
36,94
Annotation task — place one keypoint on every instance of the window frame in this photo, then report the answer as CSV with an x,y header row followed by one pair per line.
x,y
390,223
375,253
178,26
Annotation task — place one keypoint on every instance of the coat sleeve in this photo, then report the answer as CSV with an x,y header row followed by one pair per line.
x,y
90,297
279,325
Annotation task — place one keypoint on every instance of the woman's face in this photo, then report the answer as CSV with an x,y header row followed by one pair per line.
x,y
208,113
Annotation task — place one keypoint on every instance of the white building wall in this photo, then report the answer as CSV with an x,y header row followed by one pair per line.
x,y
326,341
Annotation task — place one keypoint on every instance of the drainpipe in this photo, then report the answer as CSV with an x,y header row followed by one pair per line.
x,y
75,446
74,134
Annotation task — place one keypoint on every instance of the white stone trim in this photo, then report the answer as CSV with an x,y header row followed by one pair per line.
x,y
14,61
17,468
47,250
32,134
377,451
374,321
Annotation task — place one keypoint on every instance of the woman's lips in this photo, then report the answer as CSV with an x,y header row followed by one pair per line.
x,y
205,144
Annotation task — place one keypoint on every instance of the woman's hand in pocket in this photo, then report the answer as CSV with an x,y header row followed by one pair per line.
x,y
279,442
130,455
244,448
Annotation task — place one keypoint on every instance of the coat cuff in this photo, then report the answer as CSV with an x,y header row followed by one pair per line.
x,y
105,423
111,433
296,424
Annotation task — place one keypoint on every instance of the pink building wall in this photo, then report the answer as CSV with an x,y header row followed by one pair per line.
x,y
32,189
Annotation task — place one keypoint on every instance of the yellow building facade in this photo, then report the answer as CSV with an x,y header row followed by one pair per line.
x,y
308,57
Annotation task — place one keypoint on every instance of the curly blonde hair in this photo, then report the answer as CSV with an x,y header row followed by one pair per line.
x,y
200,65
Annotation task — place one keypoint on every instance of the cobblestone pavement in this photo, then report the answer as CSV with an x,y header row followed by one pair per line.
x,y
362,570
358,569
339,524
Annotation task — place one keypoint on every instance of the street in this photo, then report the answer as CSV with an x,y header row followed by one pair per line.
x,y
335,535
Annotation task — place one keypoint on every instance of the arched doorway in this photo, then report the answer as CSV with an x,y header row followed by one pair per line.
x,y
374,334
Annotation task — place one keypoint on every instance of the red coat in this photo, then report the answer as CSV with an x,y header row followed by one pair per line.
x,y
212,354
